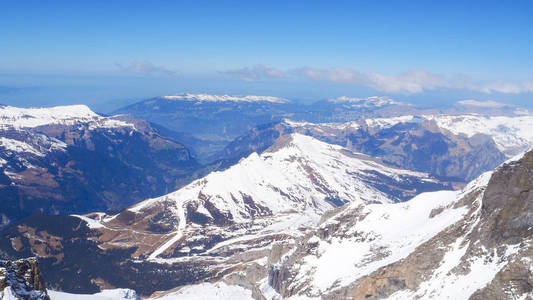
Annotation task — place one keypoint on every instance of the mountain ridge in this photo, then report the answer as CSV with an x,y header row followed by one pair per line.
x,y
71,160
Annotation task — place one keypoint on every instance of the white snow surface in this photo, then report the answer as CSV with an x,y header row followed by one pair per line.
x,y
446,285
203,291
115,294
223,98
209,291
15,117
91,223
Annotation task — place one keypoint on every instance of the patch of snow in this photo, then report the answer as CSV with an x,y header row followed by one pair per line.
x,y
39,146
447,285
383,123
91,223
18,147
114,294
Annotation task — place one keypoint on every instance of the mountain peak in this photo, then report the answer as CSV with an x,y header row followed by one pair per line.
x,y
304,144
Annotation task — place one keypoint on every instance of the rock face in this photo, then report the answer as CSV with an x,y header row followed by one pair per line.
x,y
71,160
21,279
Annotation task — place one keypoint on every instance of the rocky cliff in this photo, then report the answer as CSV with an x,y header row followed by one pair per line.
x,y
21,279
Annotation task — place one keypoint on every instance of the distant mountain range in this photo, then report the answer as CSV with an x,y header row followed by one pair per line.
x,y
453,148
215,120
211,117
472,243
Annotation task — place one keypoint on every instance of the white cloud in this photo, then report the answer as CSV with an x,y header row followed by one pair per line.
x,y
146,68
504,87
256,72
487,104
406,83
412,82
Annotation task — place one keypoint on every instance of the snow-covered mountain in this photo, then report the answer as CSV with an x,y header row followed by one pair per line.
x,y
221,222
309,211
473,243
19,118
297,173
69,159
223,118
469,244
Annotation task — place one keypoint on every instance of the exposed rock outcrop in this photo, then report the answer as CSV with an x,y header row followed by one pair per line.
x,y
21,279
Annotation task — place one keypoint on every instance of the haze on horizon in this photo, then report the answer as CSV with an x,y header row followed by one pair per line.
x,y
107,54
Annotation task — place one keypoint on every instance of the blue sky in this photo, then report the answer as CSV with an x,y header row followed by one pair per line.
x,y
109,51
